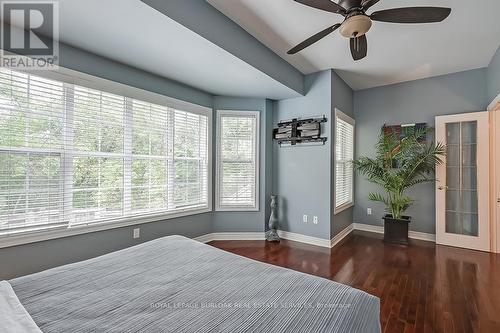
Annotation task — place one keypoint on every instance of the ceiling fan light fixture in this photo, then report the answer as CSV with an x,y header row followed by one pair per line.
x,y
355,26
357,23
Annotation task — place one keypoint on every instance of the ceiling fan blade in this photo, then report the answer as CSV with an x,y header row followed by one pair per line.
x,y
327,5
412,15
359,47
366,4
313,39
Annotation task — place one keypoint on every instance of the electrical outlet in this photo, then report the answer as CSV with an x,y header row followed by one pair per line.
x,y
137,233
304,218
315,220
369,211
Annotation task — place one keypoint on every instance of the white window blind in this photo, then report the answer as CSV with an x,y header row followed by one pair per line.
x,y
31,149
237,160
344,155
75,155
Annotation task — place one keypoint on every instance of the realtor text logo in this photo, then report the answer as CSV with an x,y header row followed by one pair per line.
x,y
29,34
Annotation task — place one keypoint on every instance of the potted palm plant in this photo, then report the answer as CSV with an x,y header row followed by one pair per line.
x,y
398,166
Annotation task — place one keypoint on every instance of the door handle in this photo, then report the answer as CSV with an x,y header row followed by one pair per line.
x,y
446,187
498,199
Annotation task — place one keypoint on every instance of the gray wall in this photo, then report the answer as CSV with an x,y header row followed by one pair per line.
x,y
249,221
208,22
89,63
304,177
30,258
268,153
493,77
411,102
301,175
342,99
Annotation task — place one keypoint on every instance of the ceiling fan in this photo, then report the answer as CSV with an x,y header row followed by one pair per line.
x,y
357,23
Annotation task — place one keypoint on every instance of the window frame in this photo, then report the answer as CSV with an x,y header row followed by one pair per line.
x,y
71,78
218,206
342,116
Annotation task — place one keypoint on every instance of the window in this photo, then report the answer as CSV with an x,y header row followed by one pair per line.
x,y
71,155
344,155
237,160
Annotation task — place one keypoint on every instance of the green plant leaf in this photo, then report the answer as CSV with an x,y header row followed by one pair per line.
x,y
415,159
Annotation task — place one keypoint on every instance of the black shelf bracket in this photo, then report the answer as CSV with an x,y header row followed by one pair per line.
x,y
300,132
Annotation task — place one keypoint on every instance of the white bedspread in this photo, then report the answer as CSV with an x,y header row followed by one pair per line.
x,y
13,316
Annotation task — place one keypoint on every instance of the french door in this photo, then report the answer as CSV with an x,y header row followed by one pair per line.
x,y
462,186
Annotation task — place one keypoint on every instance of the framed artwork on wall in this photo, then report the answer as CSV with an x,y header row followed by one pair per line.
x,y
403,130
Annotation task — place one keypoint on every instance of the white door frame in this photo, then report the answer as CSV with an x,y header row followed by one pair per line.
x,y
495,175
482,242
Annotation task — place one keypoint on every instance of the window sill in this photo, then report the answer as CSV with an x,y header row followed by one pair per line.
x,y
61,232
340,209
237,209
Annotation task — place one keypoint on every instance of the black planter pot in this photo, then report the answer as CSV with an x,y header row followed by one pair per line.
x,y
396,230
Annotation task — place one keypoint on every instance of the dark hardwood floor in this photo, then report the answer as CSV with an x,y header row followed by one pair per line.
x,y
422,287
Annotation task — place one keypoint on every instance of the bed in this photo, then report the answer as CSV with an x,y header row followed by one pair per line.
x,y
175,284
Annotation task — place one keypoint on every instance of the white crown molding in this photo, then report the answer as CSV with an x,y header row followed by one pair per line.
x,y
494,102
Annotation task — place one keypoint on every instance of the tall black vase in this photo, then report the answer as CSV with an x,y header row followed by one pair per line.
x,y
272,233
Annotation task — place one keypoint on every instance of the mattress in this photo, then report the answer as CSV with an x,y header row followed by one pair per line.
x,y
175,284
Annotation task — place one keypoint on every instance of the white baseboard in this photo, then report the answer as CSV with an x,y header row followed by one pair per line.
x,y
230,236
218,236
341,235
380,230
422,236
304,239
368,227
204,238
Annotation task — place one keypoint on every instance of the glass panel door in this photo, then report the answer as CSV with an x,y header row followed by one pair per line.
x,y
461,178
462,187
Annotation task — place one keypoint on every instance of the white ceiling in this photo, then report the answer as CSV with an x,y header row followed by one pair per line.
x,y
135,34
467,40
